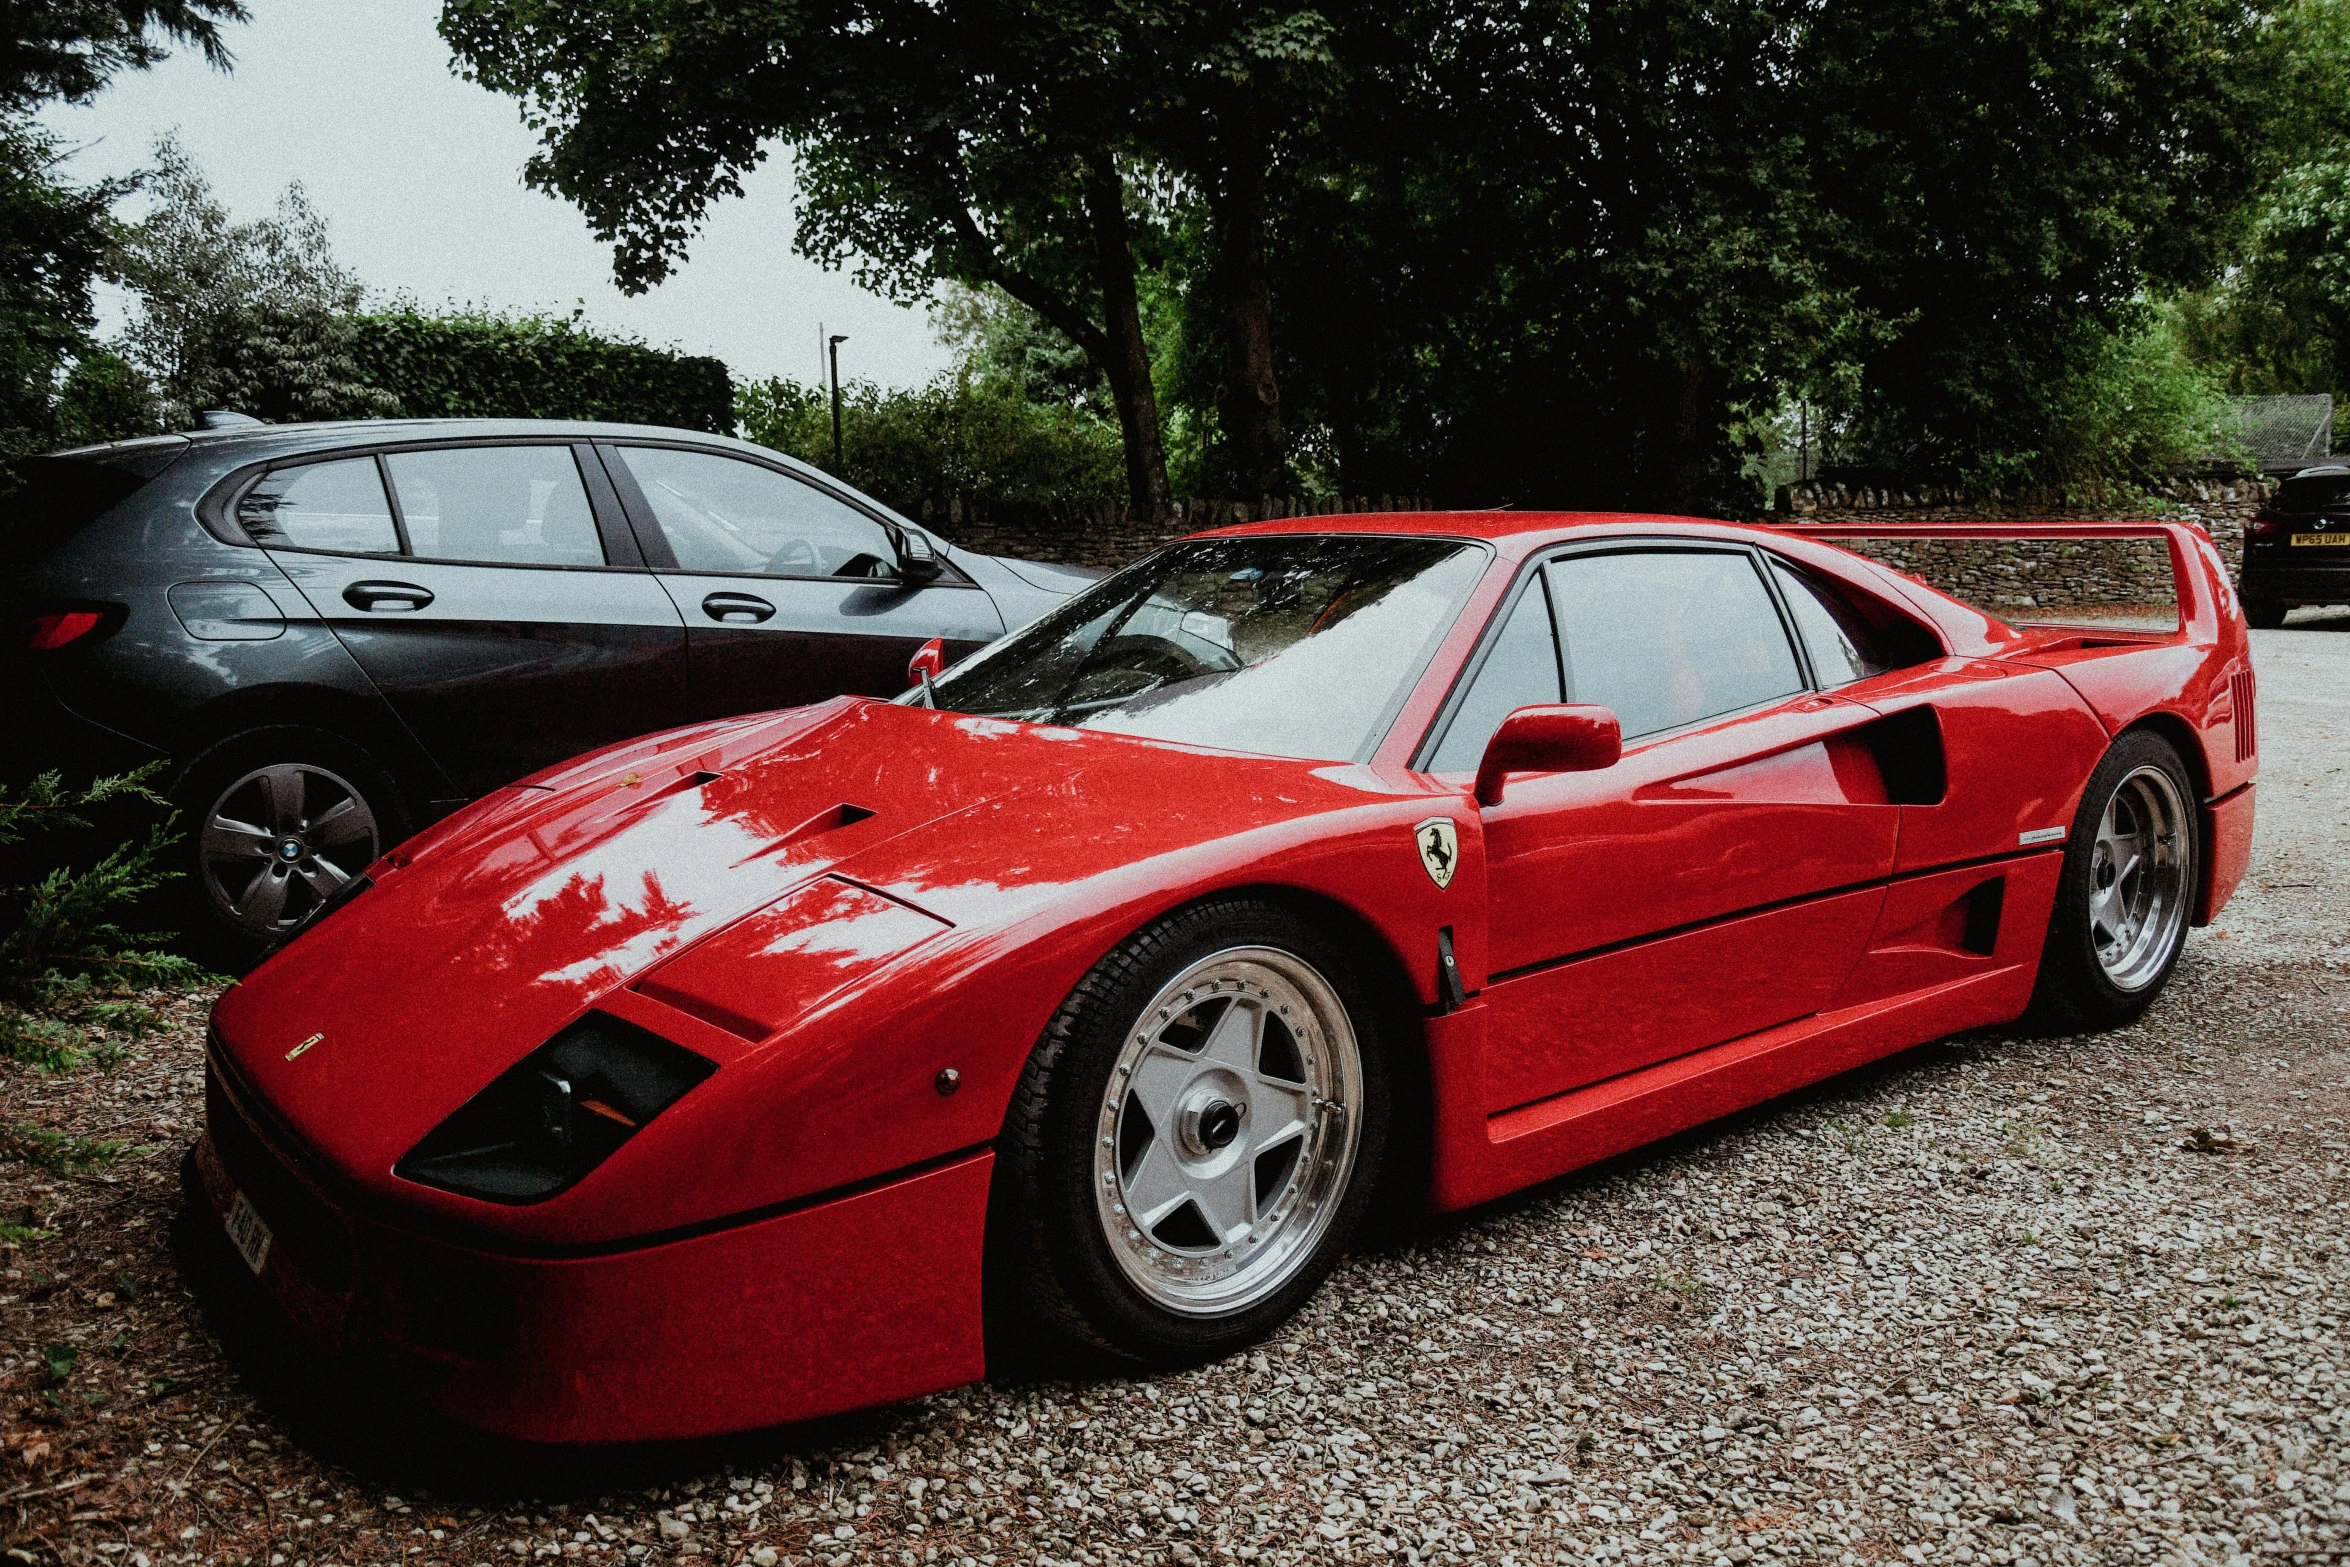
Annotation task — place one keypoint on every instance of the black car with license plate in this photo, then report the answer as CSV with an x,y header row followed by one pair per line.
x,y
2297,547
336,632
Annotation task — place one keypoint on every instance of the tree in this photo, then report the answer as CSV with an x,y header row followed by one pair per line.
x,y
55,236
980,143
252,316
54,240
68,49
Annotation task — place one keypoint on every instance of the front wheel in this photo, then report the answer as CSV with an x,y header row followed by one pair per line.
x,y
2125,894
1195,1137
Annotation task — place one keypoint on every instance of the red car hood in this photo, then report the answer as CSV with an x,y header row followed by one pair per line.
x,y
489,933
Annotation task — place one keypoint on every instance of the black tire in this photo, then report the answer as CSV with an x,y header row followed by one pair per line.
x,y
2264,614
2078,989
220,781
1051,1251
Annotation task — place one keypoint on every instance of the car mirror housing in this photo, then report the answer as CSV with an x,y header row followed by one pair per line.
x,y
1557,738
918,560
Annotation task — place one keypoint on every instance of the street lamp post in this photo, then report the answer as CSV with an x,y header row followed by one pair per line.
x,y
837,340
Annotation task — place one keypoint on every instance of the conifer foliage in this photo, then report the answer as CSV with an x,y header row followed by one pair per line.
x,y
71,975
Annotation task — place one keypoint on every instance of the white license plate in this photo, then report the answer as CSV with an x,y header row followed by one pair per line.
x,y
2328,540
248,1233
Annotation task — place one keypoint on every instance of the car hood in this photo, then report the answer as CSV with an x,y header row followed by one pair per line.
x,y
839,834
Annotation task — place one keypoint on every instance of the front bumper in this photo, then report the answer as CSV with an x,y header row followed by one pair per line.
x,y
829,1306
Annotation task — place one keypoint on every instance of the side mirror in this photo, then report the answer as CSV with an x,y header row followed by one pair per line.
x,y
918,560
928,663
1572,738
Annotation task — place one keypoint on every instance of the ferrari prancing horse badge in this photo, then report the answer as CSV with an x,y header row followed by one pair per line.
x,y
1440,848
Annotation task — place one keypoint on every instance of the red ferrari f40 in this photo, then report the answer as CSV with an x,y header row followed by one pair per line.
x,y
715,1079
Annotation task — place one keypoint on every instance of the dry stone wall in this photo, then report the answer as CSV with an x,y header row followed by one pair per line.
x,y
2005,575
1108,534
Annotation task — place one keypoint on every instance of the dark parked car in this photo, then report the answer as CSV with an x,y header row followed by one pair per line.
x,y
337,632
2297,547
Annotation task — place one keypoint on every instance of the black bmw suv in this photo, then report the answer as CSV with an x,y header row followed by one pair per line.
x,y
2297,547
337,632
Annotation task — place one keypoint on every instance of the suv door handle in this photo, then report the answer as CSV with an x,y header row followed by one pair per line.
x,y
742,609
387,597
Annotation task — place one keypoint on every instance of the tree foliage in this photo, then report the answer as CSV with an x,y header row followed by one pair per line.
x,y
67,965
253,316
54,240
51,49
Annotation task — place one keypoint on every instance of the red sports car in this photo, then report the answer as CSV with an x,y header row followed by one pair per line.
x,y
710,1081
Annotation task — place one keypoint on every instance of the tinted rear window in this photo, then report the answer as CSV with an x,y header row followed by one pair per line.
x,y
56,497
2325,492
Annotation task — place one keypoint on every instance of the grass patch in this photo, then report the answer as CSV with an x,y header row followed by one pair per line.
x,y
59,1151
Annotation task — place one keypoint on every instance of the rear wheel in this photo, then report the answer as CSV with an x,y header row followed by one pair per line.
x,y
2124,896
2264,614
1195,1137
278,820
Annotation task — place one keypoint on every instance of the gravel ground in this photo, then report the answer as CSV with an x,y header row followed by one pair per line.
x,y
2002,1299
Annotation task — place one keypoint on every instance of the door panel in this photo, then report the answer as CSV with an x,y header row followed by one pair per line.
x,y
501,670
755,643
788,592
1751,811
1596,1017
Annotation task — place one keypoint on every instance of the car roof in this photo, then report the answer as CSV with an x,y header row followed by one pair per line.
x,y
272,439
1512,531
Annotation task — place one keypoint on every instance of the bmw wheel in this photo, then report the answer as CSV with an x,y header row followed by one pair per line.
x,y
2126,893
1195,1137
278,821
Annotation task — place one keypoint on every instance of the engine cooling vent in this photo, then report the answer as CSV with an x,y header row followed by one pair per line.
x,y
2240,704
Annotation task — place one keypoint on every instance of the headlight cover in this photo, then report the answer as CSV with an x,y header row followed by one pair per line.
x,y
548,1120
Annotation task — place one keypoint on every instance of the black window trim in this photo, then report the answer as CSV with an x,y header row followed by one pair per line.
x,y
1539,561
217,508
662,560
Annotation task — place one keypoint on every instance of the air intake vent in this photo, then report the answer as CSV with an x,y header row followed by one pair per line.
x,y
2240,703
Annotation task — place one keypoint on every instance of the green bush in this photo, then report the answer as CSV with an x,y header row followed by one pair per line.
x,y
956,436
476,364
66,966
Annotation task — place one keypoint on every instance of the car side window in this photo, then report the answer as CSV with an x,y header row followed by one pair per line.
x,y
496,505
336,506
1520,670
721,514
1843,646
1669,637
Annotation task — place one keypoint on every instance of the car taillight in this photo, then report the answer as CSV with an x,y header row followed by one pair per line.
x,y
55,630
2262,525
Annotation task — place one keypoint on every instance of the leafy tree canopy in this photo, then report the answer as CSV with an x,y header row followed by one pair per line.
x,y
69,49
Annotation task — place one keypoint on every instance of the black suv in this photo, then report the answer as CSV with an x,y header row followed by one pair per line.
x,y
2297,547
337,632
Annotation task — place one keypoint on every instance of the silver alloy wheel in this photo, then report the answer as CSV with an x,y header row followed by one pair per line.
x,y
1228,1131
282,840
2140,876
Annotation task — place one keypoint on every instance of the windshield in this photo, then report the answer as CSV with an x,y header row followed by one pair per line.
x,y
1290,645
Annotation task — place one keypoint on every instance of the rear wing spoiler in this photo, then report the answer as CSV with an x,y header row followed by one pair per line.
x,y
2200,577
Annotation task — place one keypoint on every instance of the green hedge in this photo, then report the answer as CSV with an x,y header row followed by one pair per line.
x,y
956,436
478,365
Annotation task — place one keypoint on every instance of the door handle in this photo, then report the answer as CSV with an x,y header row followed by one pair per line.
x,y
740,609
387,597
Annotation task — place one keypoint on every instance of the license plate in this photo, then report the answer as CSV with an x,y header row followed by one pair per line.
x,y
248,1233
2327,540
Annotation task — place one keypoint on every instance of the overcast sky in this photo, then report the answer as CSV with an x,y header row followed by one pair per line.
x,y
419,176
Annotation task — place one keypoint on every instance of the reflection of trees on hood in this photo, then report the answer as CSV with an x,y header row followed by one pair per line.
x,y
576,937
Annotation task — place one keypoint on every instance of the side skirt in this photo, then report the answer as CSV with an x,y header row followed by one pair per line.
x,y
1479,1157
